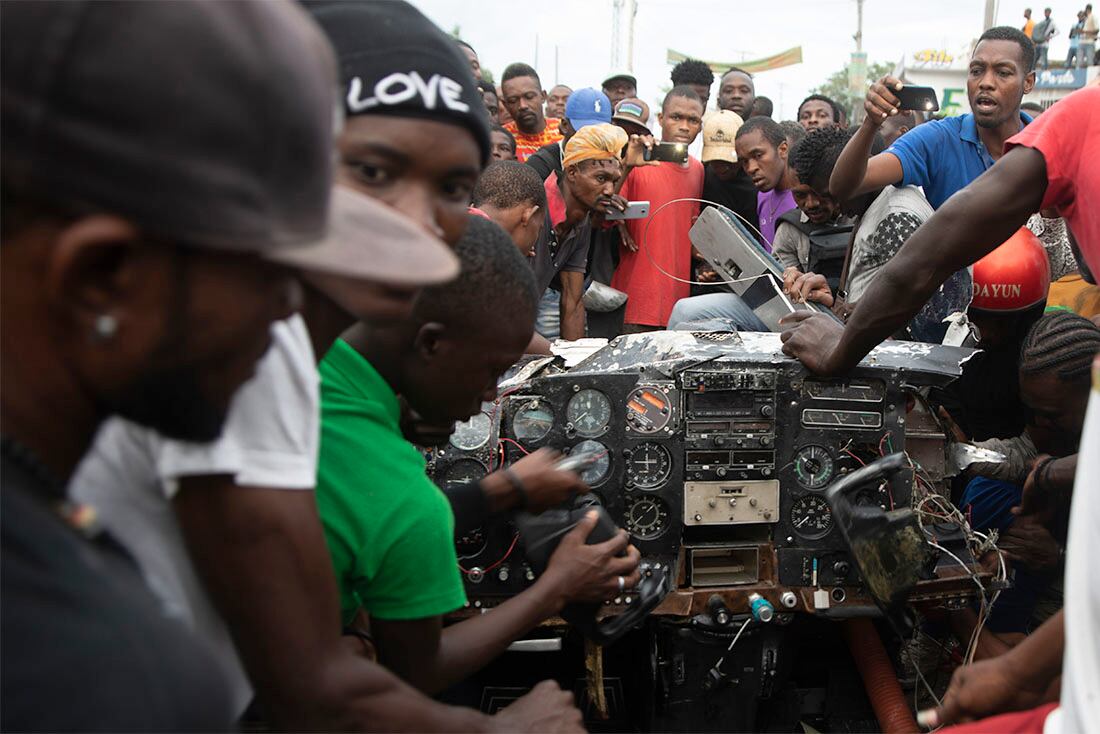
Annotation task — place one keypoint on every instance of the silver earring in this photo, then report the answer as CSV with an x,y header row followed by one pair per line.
x,y
106,326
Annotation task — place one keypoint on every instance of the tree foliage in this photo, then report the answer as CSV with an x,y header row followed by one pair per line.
x,y
836,86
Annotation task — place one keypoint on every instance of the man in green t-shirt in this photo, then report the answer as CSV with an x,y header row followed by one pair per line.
x,y
389,529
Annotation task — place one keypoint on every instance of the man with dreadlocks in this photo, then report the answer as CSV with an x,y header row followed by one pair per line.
x,y
1054,383
1053,389
1054,386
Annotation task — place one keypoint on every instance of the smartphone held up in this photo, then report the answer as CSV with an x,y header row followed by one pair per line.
x,y
667,152
917,98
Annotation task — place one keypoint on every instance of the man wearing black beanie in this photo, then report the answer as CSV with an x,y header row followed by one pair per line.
x,y
416,137
417,133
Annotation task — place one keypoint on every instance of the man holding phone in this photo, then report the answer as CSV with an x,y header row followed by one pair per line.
x,y
944,156
645,277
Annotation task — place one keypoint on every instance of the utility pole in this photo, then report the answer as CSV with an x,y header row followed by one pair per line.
x,y
857,69
987,23
859,26
630,36
616,23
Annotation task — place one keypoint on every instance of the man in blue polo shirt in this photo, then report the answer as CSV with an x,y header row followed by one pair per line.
x,y
944,156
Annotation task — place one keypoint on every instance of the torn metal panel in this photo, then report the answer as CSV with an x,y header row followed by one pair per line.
x,y
525,370
927,363
920,358
575,352
962,455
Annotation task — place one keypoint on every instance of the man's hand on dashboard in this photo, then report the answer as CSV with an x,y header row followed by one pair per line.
x,y
812,338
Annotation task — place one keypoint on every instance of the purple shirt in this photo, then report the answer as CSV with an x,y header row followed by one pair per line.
x,y
770,206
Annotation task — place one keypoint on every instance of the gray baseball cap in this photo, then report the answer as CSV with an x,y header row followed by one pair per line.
x,y
368,240
207,123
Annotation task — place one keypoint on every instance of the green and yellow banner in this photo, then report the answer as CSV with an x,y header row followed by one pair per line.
x,y
776,61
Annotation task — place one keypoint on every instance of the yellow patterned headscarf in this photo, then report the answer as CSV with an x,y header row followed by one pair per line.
x,y
599,142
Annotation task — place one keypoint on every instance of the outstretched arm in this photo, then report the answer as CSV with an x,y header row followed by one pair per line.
x,y
572,306
972,223
262,556
1017,680
854,174
433,658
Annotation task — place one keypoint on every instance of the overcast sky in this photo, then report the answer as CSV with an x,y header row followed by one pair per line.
x,y
504,31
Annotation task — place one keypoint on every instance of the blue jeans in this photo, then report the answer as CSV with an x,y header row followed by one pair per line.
x,y
1041,51
1085,52
714,312
548,323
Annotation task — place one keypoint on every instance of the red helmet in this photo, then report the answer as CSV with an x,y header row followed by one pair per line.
x,y
1013,277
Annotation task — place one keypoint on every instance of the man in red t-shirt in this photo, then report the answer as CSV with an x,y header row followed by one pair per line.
x,y
660,242
1051,163
523,96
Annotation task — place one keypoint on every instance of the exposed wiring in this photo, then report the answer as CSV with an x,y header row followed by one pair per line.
x,y
493,421
500,456
929,505
491,566
915,644
517,444
861,461
718,665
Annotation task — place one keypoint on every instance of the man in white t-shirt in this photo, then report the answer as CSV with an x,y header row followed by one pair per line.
x,y
132,475
259,549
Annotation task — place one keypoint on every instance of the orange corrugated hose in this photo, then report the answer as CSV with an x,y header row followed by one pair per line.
x,y
879,678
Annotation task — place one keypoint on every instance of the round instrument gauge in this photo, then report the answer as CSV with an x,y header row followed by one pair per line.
x,y
811,516
472,434
647,518
597,471
648,410
648,465
462,471
589,412
814,466
533,421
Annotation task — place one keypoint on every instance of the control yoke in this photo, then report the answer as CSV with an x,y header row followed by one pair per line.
x,y
888,546
542,533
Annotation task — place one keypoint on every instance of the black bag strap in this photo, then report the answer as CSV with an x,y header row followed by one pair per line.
x,y
843,289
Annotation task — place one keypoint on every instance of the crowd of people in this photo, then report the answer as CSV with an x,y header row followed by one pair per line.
x,y
1082,38
257,255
